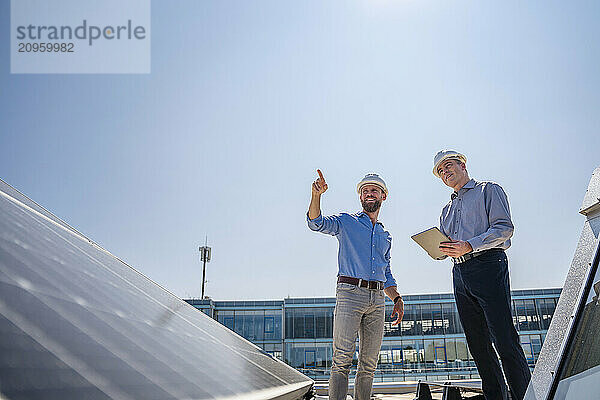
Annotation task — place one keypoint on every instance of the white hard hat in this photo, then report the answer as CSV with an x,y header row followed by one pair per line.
x,y
372,179
444,155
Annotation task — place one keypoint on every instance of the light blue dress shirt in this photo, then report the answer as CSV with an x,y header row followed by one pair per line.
x,y
479,214
364,249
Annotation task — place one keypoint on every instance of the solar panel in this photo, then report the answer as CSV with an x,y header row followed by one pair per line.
x,y
579,375
569,363
78,323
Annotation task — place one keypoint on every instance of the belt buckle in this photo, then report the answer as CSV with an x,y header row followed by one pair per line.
x,y
465,257
360,281
374,285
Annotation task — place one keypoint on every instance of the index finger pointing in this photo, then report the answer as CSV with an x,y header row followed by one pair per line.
x,y
320,174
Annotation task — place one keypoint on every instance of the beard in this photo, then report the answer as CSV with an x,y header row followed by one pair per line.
x,y
371,207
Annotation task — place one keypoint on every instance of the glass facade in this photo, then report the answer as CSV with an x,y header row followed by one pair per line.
x,y
429,342
309,323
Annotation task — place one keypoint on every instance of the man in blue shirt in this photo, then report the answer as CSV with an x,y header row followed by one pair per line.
x,y
478,221
364,275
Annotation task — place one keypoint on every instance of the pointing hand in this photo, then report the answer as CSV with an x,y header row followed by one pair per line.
x,y
319,186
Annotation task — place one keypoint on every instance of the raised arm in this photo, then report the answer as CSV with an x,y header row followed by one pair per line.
x,y
319,187
316,222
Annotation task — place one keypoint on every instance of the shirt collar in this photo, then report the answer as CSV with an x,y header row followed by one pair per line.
x,y
362,213
469,185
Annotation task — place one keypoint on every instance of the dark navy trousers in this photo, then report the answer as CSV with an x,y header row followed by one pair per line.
x,y
482,293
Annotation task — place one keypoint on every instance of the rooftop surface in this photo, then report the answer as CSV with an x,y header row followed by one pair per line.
x,y
407,389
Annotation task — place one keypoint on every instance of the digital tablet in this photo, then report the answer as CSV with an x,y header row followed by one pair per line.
x,y
430,241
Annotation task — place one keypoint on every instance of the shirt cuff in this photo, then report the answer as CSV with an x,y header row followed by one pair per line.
x,y
476,244
316,223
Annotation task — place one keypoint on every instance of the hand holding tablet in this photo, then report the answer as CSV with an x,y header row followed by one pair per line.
x,y
431,240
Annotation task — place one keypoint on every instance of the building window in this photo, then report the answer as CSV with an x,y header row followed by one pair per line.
x,y
526,315
532,315
451,351
309,358
273,319
439,354
439,323
269,324
385,356
273,349
239,322
309,323
462,352
546,309
527,348
309,355
451,318
411,324
396,355
413,353
532,344
225,317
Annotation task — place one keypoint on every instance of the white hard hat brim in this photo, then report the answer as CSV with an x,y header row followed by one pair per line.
x,y
458,157
376,183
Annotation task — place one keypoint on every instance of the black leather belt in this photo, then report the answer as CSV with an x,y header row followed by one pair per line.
x,y
468,256
361,282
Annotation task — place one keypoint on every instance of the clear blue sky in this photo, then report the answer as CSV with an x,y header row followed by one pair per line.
x,y
247,98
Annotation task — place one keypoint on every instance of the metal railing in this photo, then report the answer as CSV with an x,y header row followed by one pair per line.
x,y
402,374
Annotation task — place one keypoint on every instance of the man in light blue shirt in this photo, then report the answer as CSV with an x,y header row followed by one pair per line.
x,y
477,220
364,275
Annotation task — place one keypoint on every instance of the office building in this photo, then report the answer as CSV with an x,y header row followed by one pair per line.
x,y
429,343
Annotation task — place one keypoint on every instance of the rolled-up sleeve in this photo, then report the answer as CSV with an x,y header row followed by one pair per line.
x,y
329,225
501,227
389,278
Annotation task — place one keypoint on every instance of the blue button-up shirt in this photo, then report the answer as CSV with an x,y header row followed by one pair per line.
x,y
479,214
364,250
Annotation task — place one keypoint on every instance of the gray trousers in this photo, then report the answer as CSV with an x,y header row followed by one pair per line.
x,y
358,311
